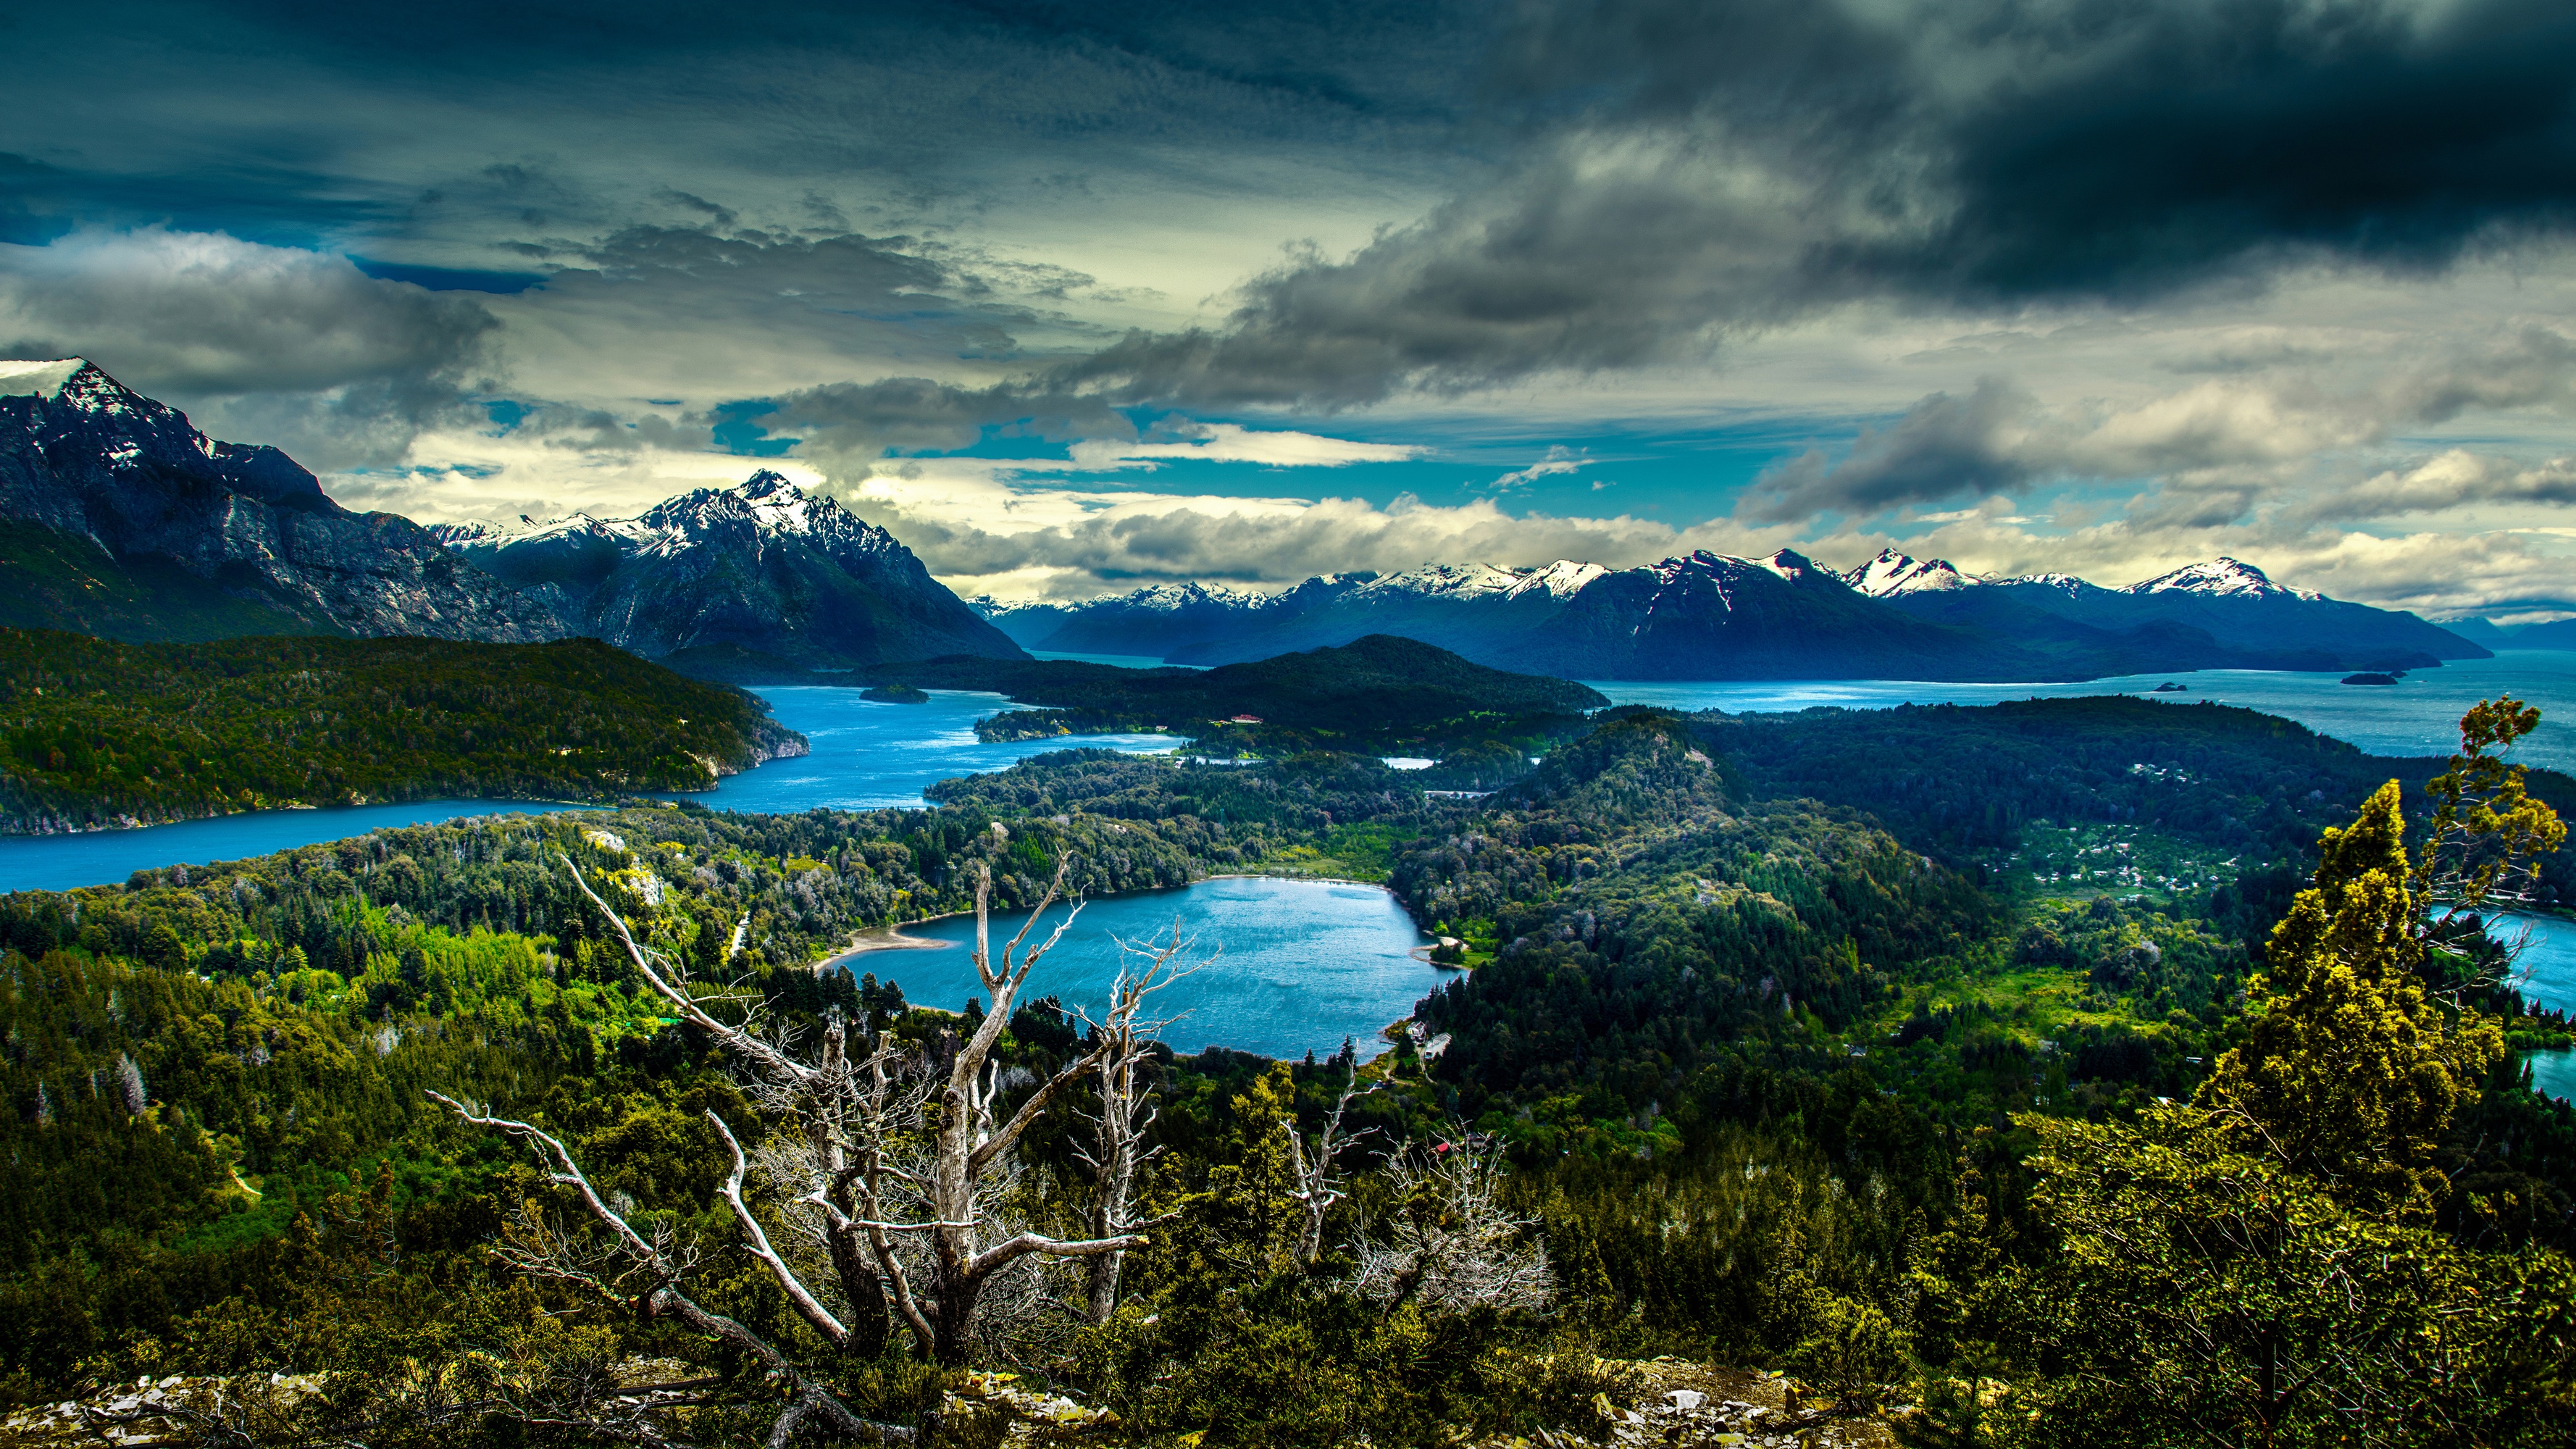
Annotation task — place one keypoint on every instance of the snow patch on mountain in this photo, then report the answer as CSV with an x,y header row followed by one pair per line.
x,y
1446,581
2221,578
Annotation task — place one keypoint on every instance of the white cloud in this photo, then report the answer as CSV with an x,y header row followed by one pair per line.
x,y
1560,460
1232,443
209,314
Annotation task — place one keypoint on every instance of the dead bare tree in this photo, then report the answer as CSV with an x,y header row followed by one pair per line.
x,y
884,1161
1453,1244
1117,1153
1319,1181
626,1268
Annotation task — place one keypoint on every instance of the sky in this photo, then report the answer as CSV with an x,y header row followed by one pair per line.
x,y
1078,298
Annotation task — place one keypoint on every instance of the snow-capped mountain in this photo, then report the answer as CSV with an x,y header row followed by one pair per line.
x,y
2222,578
1716,616
759,581
2225,612
118,517
1151,621
1893,573
1702,616
122,519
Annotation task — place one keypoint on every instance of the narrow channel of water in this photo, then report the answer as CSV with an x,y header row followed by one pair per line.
x,y
869,754
866,755
107,857
1285,966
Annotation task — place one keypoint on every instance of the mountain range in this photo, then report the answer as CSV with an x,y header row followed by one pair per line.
x,y
1715,616
118,518
2549,634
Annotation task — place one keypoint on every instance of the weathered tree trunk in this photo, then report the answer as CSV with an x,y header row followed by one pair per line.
x,y
1114,1164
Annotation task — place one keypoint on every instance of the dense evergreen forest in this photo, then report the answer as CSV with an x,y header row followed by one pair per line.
x,y
96,734
2031,1066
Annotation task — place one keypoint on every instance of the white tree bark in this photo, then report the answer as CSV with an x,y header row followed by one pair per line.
x,y
1319,1180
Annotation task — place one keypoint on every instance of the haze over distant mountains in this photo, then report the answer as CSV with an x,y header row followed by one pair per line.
x,y
1715,616
121,519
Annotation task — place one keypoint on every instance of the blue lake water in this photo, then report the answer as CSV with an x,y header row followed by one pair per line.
x,y
1123,661
2549,956
107,857
1290,966
2418,715
866,754
869,754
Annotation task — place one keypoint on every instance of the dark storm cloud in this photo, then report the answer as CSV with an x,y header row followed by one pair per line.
x,y
917,414
276,204
288,121
1943,448
2039,147
1683,170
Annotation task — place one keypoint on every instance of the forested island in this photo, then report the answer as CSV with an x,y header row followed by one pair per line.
x,y
1380,695
96,734
1891,1071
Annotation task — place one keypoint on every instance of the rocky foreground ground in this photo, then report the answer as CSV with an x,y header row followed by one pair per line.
x,y
1677,1403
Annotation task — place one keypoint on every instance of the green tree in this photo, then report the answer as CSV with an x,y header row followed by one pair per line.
x,y
2487,834
2196,1292
2349,1071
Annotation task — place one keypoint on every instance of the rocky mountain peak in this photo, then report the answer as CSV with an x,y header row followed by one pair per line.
x,y
244,537
1893,573
759,580
1792,565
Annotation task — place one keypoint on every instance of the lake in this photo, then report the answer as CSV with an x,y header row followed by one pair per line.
x,y
867,754
1291,966
2418,715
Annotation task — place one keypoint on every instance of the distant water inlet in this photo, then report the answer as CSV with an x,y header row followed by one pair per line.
x,y
2549,959
866,754
1284,967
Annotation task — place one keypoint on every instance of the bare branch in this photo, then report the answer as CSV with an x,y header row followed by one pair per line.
x,y
1025,1243
769,1057
813,1312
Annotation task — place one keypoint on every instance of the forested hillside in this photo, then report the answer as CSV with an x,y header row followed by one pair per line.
x,y
1740,1074
1378,695
96,734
